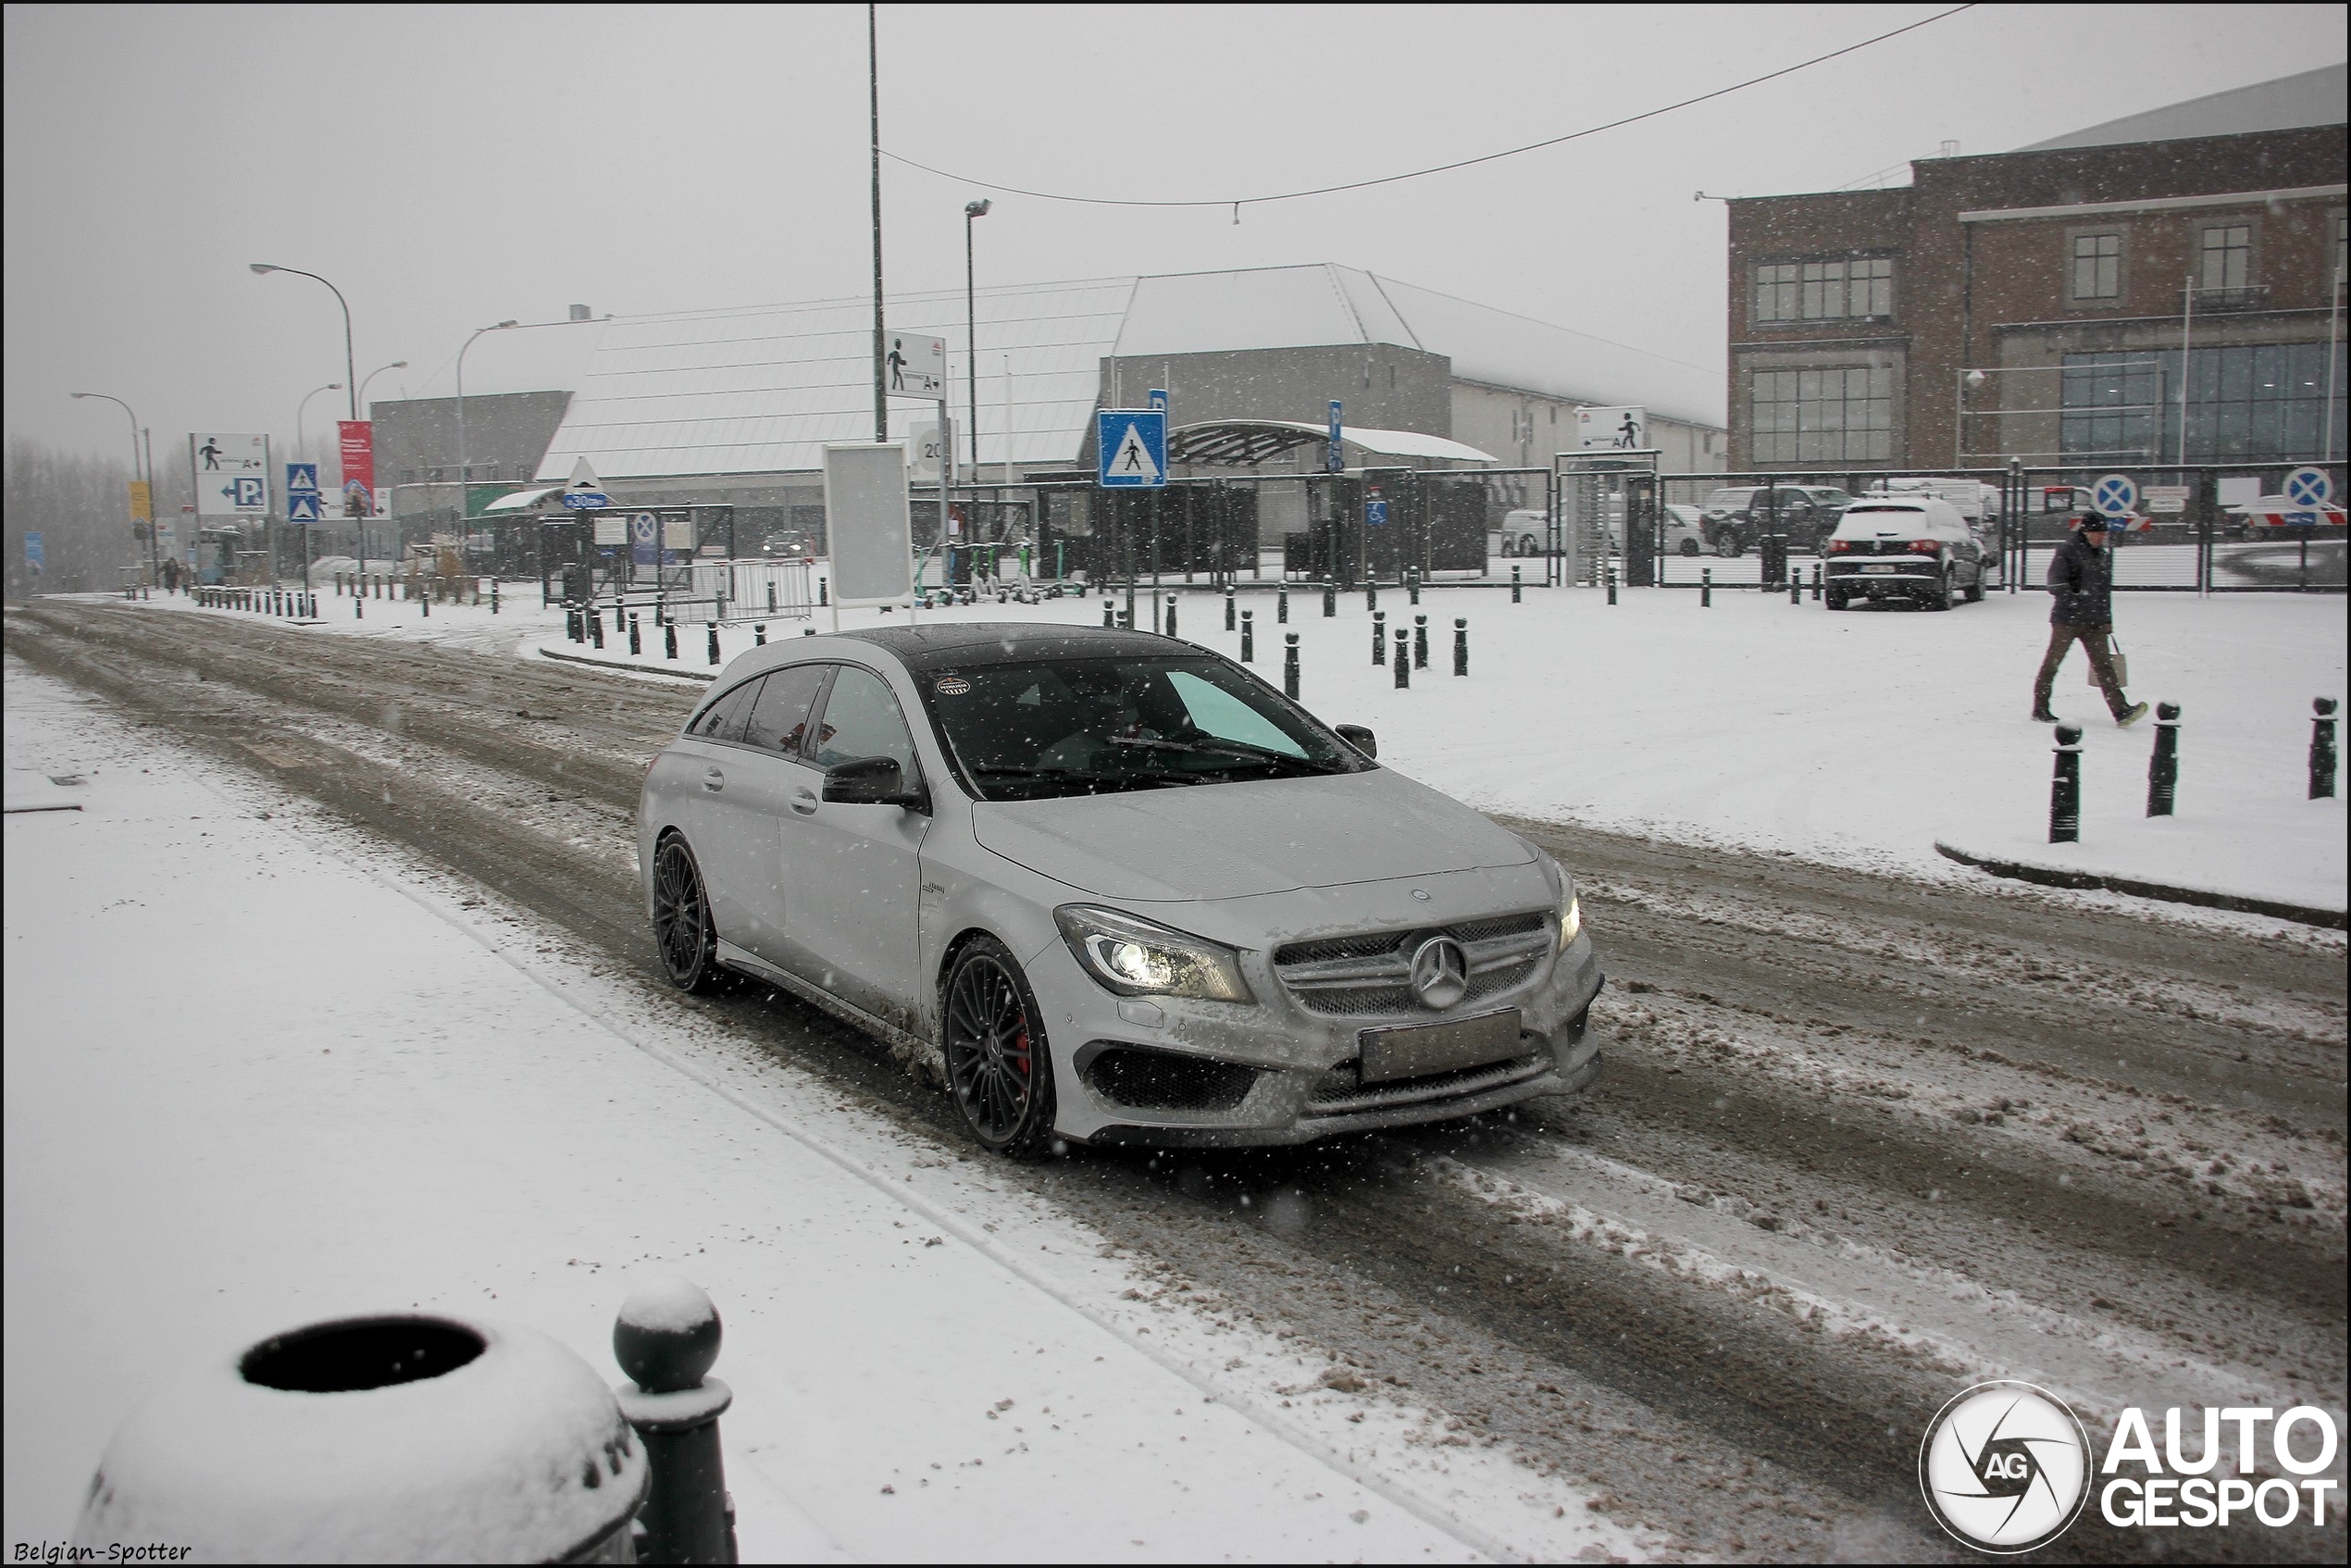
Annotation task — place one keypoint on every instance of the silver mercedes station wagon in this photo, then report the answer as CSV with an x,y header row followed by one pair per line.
x,y
1110,887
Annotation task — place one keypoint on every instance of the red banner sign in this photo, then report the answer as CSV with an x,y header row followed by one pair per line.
x,y
359,451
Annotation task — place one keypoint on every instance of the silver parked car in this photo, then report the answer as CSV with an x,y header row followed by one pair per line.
x,y
1110,887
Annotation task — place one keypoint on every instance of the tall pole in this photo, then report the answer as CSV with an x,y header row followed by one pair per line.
x,y
361,521
132,415
872,78
2335,342
2187,327
154,549
971,321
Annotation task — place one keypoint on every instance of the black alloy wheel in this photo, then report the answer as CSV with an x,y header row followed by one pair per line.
x,y
997,1062
683,927
1727,543
1689,547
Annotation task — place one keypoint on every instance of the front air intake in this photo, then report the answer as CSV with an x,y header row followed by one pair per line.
x,y
1160,1080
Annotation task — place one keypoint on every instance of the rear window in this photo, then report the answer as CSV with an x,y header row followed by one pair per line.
x,y
1868,517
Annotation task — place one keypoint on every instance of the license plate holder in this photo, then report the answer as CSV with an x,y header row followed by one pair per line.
x,y
1415,1051
1874,566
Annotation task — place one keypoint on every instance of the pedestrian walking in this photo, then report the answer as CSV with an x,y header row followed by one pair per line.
x,y
2082,610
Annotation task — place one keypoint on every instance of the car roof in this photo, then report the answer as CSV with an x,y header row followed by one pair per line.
x,y
965,643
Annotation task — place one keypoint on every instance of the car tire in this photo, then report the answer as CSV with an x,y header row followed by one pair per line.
x,y
1527,548
1689,547
1975,589
999,1066
1728,545
1832,599
1939,597
683,933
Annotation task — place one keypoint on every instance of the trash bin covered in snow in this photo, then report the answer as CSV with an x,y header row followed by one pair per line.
x,y
408,1438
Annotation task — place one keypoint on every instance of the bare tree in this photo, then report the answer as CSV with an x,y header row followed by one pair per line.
x,y
80,507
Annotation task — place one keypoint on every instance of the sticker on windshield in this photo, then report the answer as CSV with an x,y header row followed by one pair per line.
x,y
953,685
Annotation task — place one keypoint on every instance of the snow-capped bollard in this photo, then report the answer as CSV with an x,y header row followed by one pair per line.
x,y
636,638
1419,642
1607,577
771,598
424,602
2322,748
1281,605
2065,787
1412,584
1228,606
669,639
2163,762
1796,587
1515,587
667,1341
1249,636
1109,615
714,642
1171,615
1816,582
1379,636
759,634
1330,599
596,628
1403,659
822,592
1461,646
399,1439
1370,596
1705,587
1289,665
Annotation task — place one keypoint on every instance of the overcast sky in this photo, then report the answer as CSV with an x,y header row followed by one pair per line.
x,y
452,166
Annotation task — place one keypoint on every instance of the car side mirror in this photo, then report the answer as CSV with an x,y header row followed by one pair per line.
x,y
1360,737
870,781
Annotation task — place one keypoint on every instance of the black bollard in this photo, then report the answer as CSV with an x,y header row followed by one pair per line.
x,y
493,596
426,600
771,598
1379,636
1461,646
636,638
661,611
1249,636
2322,748
596,628
1228,606
2163,763
713,642
669,639
823,593
1109,615
1796,587
1816,582
358,608
2065,787
1370,596
1705,587
667,1340
1330,599
1412,584
1403,659
1289,665
1171,615
1419,642
1515,587
759,635
1281,604
1608,575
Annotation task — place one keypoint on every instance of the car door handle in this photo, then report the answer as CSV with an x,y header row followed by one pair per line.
x,y
713,780
804,801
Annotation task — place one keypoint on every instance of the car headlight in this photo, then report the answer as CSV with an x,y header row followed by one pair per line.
x,y
1134,957
1570,919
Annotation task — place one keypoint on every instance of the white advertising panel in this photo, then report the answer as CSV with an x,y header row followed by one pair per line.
x,y
231,473
868,524
612,527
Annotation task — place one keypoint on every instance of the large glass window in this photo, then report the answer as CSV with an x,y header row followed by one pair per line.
x,y
1824,290
1822,415
2256,403
2097,266
2227,256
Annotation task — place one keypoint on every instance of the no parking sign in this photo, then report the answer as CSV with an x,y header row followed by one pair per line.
x,y
645,540
2116,495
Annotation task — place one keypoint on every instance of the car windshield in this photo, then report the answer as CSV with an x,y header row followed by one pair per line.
x,y
1083,727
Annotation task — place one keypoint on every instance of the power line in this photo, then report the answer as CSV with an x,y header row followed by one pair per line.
x,y
1237,204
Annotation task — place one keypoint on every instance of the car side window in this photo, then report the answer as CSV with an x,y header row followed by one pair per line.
x,y
778,720
861,719
723,720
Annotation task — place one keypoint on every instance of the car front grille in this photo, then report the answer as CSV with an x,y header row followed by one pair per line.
x,y
1339,1092
1371,975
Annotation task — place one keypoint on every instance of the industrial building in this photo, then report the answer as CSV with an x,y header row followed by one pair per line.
x,y
2037,305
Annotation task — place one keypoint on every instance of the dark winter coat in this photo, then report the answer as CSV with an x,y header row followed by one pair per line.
x,y
2081,584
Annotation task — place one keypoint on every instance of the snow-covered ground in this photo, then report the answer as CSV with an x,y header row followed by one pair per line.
x,y
261,1071
1858,737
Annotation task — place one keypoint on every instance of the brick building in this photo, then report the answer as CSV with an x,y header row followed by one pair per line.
x,y
2033,303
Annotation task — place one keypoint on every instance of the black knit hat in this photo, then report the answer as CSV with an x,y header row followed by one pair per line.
x,y
2097,520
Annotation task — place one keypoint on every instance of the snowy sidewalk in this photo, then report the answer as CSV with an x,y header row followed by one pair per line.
x,y
261,1073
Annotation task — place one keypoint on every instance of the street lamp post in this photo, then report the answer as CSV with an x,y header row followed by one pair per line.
x,y
301,411
136,471
971,322
350,364
360,522
579,315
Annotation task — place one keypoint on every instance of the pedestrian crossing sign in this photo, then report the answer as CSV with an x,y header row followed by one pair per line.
x,y
1131,448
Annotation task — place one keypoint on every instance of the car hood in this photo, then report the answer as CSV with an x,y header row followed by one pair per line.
x,y
1244,840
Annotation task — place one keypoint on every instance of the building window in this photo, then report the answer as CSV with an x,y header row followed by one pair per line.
x,y
1824,290
1843,415
2097,266
2252,403
2227,256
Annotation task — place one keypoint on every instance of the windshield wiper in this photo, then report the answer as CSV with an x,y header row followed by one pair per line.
x,y
1241,749
1085,774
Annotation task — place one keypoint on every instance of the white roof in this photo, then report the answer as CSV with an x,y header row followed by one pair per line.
x,y
520,500
2310,97
1392,443
762,389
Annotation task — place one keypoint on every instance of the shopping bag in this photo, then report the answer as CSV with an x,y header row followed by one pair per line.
x,y
2115,657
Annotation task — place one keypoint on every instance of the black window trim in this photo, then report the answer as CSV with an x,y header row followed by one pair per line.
x,y
815,710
